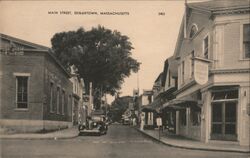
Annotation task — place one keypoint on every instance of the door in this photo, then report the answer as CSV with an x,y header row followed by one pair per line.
x,y
224,121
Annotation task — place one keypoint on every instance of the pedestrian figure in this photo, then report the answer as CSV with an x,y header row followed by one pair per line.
x,y
142,122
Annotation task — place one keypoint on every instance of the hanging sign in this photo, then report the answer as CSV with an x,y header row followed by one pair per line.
x,y
201,71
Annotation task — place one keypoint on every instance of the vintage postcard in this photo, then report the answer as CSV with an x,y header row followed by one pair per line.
x,y
125,78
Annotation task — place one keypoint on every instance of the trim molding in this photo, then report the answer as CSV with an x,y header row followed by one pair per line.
x,y
224,71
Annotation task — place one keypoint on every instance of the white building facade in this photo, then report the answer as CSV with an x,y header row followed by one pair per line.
x,y
217,36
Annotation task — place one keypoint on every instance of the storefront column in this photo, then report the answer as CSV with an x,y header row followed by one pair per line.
x,y
177,122
207,117
243,117
187,120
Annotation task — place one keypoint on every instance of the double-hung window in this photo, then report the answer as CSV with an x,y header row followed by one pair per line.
x,y
22,92
51,97
57,100
246,40
63,101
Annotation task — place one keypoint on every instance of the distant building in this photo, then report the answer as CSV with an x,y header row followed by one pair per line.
x,y
35,91
145,100
79,110
213,52
170,84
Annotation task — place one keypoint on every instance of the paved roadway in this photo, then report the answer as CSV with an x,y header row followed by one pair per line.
x,y
120,142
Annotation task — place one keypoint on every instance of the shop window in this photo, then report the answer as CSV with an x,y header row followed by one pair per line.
x,y
230,118
220,95
246,40
224,114
22,92
183,117
195,117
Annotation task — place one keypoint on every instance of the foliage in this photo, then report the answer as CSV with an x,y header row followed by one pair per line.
x,y
100,56
119,106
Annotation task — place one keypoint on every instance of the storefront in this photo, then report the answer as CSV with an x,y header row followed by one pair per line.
x,y
224,114
224,102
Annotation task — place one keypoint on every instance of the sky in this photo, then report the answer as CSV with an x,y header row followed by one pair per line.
x,y
152,27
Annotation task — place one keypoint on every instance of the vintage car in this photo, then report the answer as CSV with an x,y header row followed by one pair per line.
x,y
95,125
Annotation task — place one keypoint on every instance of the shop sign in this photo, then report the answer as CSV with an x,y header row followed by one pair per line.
x,y
159,121
200,71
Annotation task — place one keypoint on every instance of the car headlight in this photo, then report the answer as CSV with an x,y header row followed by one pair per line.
x,y
81,127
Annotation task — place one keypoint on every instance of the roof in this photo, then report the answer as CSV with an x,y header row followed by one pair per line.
x,y
220,5
212,7
23,42
159,77
34,48
172,64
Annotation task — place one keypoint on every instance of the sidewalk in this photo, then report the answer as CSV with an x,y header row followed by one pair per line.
x,y
179,142
62,134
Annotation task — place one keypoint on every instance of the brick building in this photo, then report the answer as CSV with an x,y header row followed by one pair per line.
x,y
35,90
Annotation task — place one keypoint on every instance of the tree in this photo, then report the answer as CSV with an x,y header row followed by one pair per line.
x,y
100,56
119,106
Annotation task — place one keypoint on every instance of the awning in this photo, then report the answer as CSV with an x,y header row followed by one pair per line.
x,y
168,94
183,102
156,105
147,108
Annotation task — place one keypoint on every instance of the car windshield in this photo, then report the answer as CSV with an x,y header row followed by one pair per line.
x,y
97,118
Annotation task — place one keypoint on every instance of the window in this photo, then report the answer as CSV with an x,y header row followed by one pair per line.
x,y
149,99
57,100
22,92
183,117
182,71
169,79
69,104
205,47
51,97
192,64
225,94
193,31
195,116
246,40
63,102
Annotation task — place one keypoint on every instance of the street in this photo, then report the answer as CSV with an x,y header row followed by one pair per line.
x,y
120,142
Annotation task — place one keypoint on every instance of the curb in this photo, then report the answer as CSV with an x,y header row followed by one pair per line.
x,y
191,148
40,138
